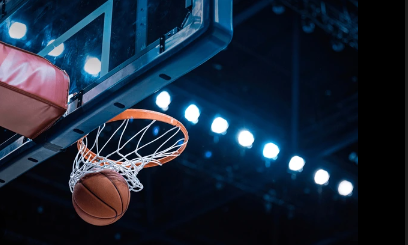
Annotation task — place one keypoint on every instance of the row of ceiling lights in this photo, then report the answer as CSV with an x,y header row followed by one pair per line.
x,y
246,139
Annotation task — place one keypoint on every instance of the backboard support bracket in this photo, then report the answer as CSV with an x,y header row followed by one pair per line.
x,y
167,36
79,98
52,147
162,44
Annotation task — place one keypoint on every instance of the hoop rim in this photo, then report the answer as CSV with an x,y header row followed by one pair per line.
x,y
139,114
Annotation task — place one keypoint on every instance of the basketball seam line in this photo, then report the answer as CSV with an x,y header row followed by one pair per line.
x,y
98,218
73,198
121,200
99,199
83,184
116,219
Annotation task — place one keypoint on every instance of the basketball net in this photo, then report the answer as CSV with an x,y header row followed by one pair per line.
x,y
129,165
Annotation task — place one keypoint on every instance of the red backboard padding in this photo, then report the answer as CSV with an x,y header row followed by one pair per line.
x,y
33,92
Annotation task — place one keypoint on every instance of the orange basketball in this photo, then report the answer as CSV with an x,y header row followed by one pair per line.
x,y
101,198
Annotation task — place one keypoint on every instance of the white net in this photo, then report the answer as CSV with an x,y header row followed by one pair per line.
x,y
128,163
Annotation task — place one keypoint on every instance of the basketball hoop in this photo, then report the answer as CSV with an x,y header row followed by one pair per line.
x,y
90,160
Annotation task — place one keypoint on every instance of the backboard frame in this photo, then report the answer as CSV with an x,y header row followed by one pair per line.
x,y
208,32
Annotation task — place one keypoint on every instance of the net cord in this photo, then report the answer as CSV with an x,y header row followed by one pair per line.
x,y
84,163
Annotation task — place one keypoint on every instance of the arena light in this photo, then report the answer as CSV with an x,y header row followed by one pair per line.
x,y
192,113
17,30
93,66
57,51
345,188
163,100
296,164
246,138
208,154
156,130
219,125
271,151
321,177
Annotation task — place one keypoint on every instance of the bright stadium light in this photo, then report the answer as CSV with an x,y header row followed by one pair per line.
x,y
246,138
192,113
219,125
57,51
271,151
17,30
163,100
296,164
345,188
93,66
321,177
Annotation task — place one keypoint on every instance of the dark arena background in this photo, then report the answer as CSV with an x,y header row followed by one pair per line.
x,y
280,168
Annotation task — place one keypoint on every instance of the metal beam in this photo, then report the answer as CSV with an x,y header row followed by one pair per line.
x,y
141,25
251,11
11,145
328,18
10,8
339,143
295,84
273,65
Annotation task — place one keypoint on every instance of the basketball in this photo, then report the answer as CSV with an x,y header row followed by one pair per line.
x,y
101,198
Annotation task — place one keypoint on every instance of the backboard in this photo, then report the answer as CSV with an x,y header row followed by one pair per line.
x,y
116,52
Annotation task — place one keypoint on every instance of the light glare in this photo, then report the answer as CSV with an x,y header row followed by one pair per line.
x,y
271,151
321,177
219,125
57,51
17,30
192,113
246,138
345,188
93,66
296,164
163,100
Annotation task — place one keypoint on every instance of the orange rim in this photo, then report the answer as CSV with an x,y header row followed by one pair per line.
x,y
141,114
